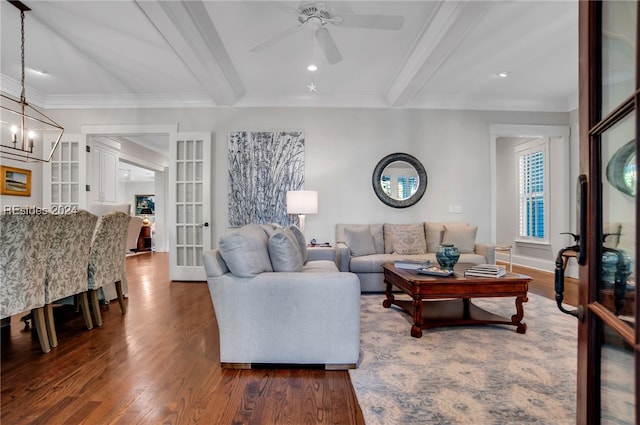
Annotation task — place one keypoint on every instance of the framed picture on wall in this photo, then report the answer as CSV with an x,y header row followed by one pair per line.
x,y
15,181
144,205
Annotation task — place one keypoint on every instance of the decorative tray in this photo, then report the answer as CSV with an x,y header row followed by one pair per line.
x,y
434,271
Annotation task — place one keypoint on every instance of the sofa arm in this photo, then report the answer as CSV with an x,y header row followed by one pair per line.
x,y
343,256
321,253
488,250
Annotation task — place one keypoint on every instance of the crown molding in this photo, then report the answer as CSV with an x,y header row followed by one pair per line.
x,y
316,100
125,101
490,104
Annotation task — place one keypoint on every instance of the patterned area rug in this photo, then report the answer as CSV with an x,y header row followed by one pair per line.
x,y
468,374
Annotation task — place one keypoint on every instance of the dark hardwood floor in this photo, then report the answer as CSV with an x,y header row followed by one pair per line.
x,y
159,364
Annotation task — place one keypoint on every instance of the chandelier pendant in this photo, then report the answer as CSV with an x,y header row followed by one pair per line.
x,y
22,126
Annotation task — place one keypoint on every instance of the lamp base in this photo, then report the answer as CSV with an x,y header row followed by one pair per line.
x,y
301,217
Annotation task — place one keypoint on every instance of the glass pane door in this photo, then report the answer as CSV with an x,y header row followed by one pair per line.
x,y
190,176
616,287
609,339
64,176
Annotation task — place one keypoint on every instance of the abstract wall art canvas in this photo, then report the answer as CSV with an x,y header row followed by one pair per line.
x,y
263,166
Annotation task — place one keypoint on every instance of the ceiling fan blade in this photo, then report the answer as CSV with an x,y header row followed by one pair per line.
x,y
328,46
273,40
380,22
287,6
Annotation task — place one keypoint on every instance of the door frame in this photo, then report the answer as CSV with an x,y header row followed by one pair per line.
x,y
591,126
114,130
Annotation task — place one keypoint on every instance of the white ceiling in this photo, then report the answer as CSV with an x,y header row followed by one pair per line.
x,y
197,53
130,173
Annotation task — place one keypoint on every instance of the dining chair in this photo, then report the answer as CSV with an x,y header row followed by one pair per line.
x,y
24,248
67,265
107,259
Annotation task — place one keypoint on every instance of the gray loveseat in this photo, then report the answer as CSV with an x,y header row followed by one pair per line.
x,y
275,303
363,248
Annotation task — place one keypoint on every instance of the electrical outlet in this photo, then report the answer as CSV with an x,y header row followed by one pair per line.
x,y
451,209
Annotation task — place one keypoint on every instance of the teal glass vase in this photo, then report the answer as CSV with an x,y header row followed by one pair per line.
x,y
447,256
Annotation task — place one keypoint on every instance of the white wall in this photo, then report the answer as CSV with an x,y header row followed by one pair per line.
x,y
536,255
127,190
343,147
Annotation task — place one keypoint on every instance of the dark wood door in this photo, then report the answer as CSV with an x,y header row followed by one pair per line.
x,y
608,335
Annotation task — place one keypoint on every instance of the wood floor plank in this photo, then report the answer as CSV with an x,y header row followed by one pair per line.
x,y
159,364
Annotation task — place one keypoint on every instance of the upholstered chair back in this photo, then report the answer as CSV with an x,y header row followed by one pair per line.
x,y
69,254
24,248
107,259
133,233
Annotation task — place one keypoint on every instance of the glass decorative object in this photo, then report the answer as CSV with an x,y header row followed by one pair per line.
x,y
447,256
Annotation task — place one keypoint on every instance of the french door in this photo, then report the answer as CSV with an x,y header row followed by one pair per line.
x,y
189,205
608,334
64,177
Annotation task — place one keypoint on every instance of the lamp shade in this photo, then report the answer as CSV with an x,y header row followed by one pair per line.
x,y
302,202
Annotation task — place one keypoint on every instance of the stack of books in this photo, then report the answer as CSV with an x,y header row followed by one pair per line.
x,y
486,270
411,265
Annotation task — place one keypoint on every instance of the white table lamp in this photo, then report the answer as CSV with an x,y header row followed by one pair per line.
x,y
302,202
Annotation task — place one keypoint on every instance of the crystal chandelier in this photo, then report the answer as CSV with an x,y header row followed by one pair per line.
x,y
22,126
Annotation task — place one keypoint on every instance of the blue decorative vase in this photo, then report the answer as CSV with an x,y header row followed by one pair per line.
x,y
609,269
447,256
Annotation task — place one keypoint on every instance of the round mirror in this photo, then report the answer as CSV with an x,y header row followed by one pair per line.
x,y
399,180
621,169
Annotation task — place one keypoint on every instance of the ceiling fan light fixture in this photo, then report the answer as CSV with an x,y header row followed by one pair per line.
x,y
312,68
503,74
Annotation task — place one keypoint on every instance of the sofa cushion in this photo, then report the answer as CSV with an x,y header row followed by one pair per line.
x,y
433,235
302,243
285,252
245,251
407,238
320,266
270,228
360,240
376,231
434,231
463,237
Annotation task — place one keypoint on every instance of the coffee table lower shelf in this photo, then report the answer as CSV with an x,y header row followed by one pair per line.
x,y
455,312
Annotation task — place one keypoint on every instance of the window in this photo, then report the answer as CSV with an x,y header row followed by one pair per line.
x,y
407,186
532,158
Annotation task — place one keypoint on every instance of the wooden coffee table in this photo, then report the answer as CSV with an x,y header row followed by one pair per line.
x,y
446,301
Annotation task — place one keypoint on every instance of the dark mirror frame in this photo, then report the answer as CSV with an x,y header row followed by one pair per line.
x,y
377,184
616,165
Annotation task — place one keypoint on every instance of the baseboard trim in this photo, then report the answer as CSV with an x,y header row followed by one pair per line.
x,y
326,366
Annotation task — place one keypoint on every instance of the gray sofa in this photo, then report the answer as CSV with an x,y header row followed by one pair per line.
x,y
275,303
363,248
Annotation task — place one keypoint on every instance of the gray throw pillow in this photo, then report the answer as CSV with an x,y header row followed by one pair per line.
x,y
302,243
284,252
244,251
463,237
359,240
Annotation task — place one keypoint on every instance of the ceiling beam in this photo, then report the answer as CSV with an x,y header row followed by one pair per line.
x,y
440,36
189,30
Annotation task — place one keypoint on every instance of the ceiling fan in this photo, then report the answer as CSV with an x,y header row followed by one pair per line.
x,y
317,16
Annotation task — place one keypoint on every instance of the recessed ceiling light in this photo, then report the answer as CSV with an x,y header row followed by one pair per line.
x,y
503,74
312,67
